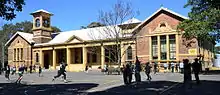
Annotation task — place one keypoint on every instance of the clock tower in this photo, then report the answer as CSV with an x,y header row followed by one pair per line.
x,y
41,26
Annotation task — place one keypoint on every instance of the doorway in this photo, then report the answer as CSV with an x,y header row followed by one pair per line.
x,y
46,61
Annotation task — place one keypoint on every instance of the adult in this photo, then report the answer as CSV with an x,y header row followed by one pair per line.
x,y
7,72
30,68
61,71
187,73
127,72
196,69
181,67
147,71
137,70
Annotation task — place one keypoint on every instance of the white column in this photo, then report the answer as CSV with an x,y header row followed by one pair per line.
x,y
54,59
102,57
84,56
168,47
68,55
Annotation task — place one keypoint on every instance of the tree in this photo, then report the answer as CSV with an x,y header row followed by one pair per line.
x,y
9,7
114,29
203,23
9,29
93,25
204,20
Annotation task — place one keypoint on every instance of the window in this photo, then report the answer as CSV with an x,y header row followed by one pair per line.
x,y
18,52
94,57
111,54
37,57
172,47
46,23
37,23
163,48
21,53
154,47
129,53
14,54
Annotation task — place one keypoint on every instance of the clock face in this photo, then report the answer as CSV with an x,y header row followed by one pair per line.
x,y
37,22
46,23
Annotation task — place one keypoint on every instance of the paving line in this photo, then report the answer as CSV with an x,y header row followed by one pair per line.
x,y
174,85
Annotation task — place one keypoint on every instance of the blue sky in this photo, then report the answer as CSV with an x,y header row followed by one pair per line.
x,y
71,14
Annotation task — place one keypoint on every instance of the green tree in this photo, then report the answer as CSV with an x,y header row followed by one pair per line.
x,y
9,29
204,19
92,25
9,7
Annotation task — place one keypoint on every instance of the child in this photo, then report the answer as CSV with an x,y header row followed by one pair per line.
x,y
40,71
13,70
20,73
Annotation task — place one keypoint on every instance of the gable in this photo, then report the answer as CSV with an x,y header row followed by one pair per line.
x,y
18,42
74,39
163,15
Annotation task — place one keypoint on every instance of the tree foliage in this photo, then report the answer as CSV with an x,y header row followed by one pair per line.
x,y
8,30
93,25
9,7
204,20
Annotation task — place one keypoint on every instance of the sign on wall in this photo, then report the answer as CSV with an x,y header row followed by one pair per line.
x,y
192,51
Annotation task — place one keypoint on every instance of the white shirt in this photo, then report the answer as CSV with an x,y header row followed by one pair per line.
x,y
181,65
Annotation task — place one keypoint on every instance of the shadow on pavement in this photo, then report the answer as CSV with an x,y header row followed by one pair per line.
x,y
205,88
143,88
212,72
45,89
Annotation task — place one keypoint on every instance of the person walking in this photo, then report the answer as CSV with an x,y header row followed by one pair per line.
x,y
165,67
40,71
137,70
126,73
13,70
181,67
34,68
155,67
30,68
196,69
147,71
169,67
7,72
177,67
87,69
61,71
187,74
172,66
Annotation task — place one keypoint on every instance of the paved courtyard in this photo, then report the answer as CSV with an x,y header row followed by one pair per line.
x,y
96,83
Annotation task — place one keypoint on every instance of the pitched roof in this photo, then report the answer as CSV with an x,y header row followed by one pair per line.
x,y
41,10
97,33
161,9
26,36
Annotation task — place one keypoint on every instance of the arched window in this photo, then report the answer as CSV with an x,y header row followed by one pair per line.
x,y
46,23
37,22
37,57
162,24
129,53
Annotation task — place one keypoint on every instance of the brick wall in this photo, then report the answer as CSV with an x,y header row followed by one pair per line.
x,y
19,42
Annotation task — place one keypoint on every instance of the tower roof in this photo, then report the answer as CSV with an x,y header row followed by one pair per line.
x,y
41,11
